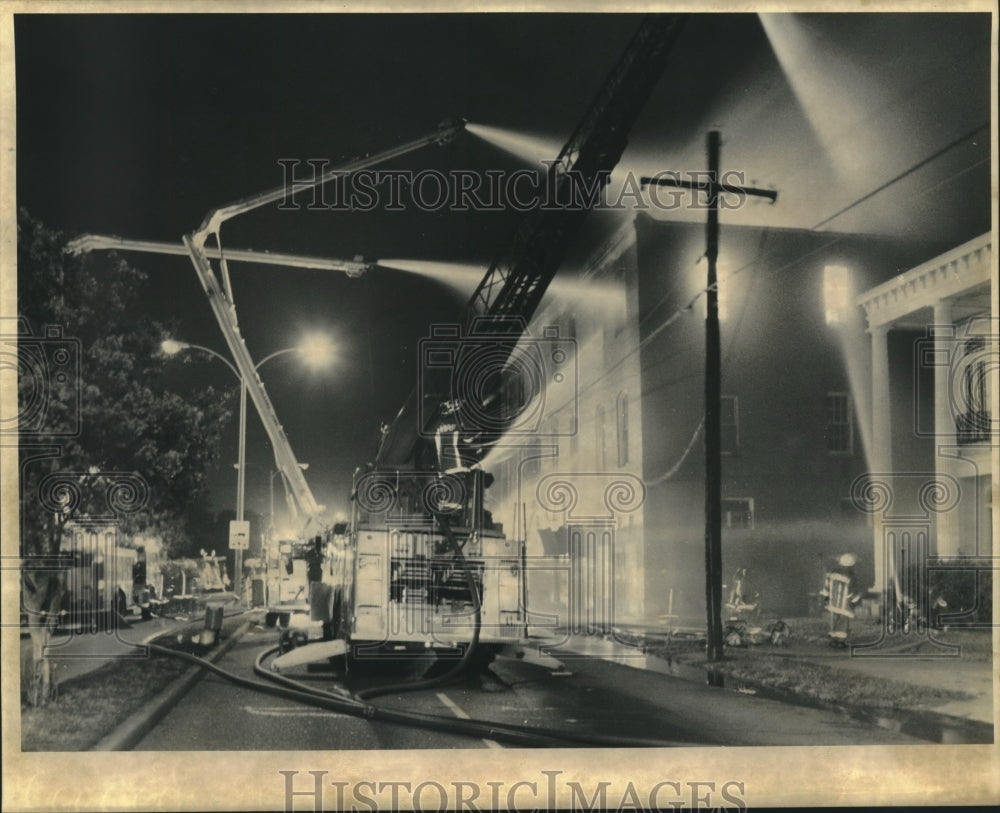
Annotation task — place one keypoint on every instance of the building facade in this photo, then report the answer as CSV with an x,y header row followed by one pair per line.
x,y
796,398
801,423
932,324
569,479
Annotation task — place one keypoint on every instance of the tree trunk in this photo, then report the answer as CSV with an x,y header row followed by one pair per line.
x,y
42,593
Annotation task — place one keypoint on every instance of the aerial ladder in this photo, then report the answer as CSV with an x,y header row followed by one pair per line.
x,y
220,295
508,295
430,568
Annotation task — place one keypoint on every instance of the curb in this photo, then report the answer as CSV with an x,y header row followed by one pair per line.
x,y
978,728
133,728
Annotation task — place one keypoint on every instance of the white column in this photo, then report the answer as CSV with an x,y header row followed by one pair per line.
x,y
945,440
881,452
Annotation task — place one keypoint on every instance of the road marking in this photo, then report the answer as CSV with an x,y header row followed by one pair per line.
x,y
457,710
287,711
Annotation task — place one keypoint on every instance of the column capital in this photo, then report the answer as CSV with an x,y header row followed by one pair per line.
x,y
942,309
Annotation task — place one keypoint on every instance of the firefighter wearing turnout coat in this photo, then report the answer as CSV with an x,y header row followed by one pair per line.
x,y
840,592
321,595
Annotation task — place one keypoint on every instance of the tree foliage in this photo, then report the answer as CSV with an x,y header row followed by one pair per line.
x,y
118,414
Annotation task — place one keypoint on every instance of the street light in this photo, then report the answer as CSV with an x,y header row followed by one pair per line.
x,y
316,350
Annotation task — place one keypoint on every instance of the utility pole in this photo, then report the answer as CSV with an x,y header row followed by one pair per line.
x,y
241,486
713,383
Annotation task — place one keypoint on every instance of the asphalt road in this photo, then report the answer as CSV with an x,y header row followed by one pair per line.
x,y
596,698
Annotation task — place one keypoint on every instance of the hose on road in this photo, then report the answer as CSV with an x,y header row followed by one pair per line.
x,y
470,649
287,688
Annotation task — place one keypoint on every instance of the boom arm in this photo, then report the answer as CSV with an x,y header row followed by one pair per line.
x,y
517,279
214,220
221,301
92,242
507,297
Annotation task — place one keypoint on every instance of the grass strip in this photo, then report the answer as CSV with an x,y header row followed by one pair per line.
x,y
92,704
830,685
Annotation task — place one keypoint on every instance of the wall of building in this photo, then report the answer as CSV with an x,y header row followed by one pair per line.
x,y
783,362
588,449
637,328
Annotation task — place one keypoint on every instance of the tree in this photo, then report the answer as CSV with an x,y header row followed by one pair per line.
x,y
95,412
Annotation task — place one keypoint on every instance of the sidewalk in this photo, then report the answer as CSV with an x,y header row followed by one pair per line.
x,y
952,673
972,675
76,653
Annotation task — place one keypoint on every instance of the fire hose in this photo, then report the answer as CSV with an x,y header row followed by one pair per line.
x,y
469,650
345,703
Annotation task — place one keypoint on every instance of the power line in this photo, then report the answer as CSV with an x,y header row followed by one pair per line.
x,y
905,173
689,306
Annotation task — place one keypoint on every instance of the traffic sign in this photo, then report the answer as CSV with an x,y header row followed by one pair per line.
x,y
239,535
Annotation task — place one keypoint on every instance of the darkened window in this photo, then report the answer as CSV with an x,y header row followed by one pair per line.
x,y
600,438
534,464
622,428
973,421
737,512
513,393
730,424
839,423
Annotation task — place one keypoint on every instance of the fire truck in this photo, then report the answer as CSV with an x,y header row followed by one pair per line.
x,y
422,565
430,567
106,579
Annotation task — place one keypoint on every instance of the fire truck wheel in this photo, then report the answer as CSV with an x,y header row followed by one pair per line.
x,y
335,616
120,605
483,657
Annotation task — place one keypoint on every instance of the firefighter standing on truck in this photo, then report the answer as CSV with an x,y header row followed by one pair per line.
x,y
320,594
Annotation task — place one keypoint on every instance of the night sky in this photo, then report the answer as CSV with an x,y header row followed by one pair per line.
x,y
139,125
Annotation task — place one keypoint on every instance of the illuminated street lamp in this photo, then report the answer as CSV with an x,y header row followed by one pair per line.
x,y
315,350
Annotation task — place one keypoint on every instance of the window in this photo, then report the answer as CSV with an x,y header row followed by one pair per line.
x,y
569,331
973,422
501,487
533,466
621,562
600,438
518,394
622,428
737,512
722,292
729,419
836,293
839,423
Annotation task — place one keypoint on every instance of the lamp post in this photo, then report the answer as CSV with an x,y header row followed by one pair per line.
x,y
315,350
268,544
270,517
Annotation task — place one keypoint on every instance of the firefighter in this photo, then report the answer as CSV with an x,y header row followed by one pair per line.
x,y
842,597
321,595
314,561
